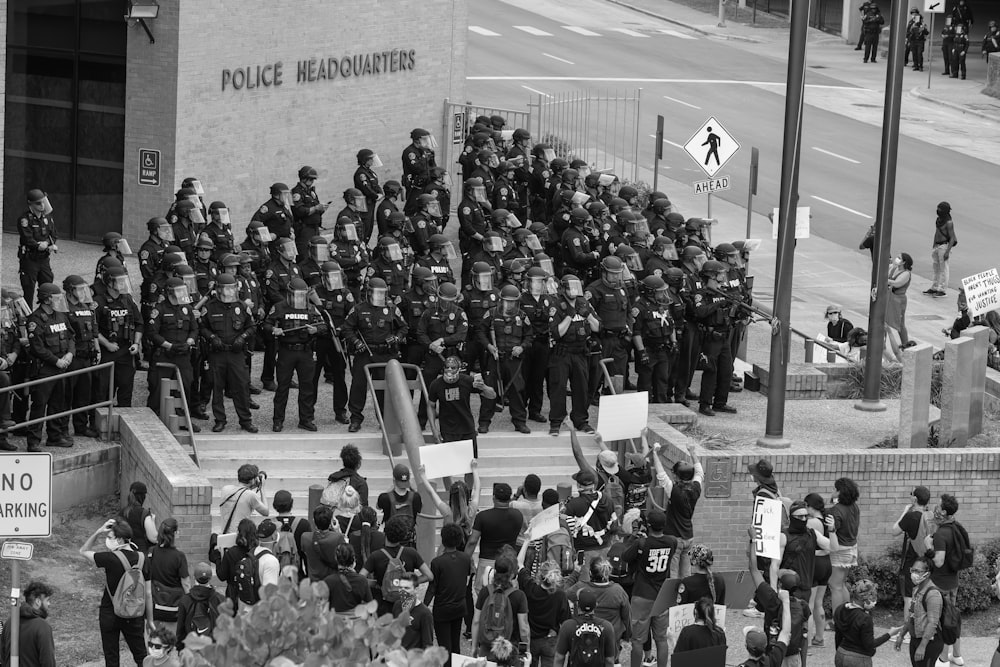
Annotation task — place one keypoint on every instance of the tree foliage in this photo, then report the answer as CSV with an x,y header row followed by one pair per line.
x,y
293,626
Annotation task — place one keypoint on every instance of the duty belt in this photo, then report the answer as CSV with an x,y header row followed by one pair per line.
x,y
296,346
381,347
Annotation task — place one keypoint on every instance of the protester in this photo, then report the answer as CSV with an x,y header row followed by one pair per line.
x,y
899,280
762,474
837,326
914,524
704,633
162,649
419,633
594,521
351,459
683,495
463,505
493,529
948,543
762,652
798,548
401,500
501,609
854,630
166,570
548,607
140,519
347,508
198,609
363,536
347,588
251,568
246,540
924,622
944,241
586,635
613,603
120,562
241,500
36,646
450,589
527,502
652,556
393,560
297,526
703,582
822,568
847,521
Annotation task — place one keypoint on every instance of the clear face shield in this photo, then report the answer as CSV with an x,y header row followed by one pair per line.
x,y
393,252
320,252
614,278
165,233
668,251
360,204
545,264
298,298
285,197
21,307
434,209
190,284
262,235
532,243
493,244
376,296
662,297
195,216
633,262
179,294
483,281
375,162
81,294
447,250
479,194
288,251
57,302
734,260
195,199
348,232
508,307
123,247
198,188
699,261
120,284
228,293
580,198
513,222
333,280
549,154
42,207
572,288
6,318
610,182
538,286
428,142
583,173
633,227
493,162
221,217
429,285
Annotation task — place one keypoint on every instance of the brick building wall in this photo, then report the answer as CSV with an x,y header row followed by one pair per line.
x,y
175,486
188,94
886,478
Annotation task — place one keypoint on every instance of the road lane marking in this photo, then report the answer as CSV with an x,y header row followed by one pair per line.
x,y
622,79
630,33
849,210
562,60
531,30
832,154
581,31
667,141
674,99
483,31
674,33
535,90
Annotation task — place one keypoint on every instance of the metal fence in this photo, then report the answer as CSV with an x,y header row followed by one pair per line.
x,y
599,126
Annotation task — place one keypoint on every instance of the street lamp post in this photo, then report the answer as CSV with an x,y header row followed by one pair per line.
x,y
791,148
883,217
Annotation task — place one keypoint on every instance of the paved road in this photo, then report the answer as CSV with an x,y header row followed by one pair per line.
x,y
520,48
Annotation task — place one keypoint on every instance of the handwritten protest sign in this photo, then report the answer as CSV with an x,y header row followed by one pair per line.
x,y
544,523
767,527
982,291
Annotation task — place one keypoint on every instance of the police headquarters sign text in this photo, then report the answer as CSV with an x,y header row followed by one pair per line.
x,y
26,495
312,70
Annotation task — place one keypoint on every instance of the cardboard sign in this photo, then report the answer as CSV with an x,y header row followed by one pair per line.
x,y
623,416
802,215
767,527
682,615
447,459
982,291
544,523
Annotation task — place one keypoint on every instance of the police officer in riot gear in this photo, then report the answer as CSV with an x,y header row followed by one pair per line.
x,y
257,245
654,339
472,211
187,221
374,330
439,187
352,255
418,160
438,259
37,242
335,301
219,229
293,322
120,329
959,47
356,206
280,272
539,306
83,319
391,203
389,265
151,251
504,193
366,180
172,329
692,260
307,209
311,266
205,268
573,323
228,326
579,256
610,302
276,212
16,361
52,346
711,313
421,295
114,245
491,253
506,333
538,182
426,223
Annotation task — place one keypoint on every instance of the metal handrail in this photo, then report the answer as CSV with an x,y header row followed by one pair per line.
x,y
184,406
109,403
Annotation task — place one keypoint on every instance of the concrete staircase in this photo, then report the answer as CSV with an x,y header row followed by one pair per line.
x,y
295,461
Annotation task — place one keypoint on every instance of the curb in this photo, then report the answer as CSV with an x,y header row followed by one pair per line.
x,y
700,31
917,93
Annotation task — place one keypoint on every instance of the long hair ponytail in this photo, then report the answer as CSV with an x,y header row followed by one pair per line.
x,y
704,610
368,518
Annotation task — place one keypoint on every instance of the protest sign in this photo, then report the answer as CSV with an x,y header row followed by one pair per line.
x,y
447,458
982,292
544,523
767,527
623,416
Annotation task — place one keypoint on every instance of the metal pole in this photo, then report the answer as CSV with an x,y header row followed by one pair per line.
x,y
883,217
709,214
635,152
752,190
930,52
794,93
722,13
15,614
657,151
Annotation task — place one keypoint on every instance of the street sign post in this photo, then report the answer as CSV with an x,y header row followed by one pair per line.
x,y
754,165
711,147
657,152
15,552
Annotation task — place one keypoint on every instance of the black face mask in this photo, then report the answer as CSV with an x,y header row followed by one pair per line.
x,y
797,525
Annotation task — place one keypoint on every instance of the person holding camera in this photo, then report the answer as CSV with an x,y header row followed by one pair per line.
x,y
243,499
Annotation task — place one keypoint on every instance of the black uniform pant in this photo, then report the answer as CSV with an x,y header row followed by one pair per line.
x,y
124,377
199,392
33,271
48,397
359,383
917,49
296,358
687,359
715,379
270,353
82,390
331,362
574,367
430,369
871,46
534,371
655,378
474,355
303,235
957,62
114,627
230,375
615,347
505,377
946,56
155,374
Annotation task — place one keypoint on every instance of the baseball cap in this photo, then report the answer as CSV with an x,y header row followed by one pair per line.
x,y
762,470
656,520
265,529
609,461
202,573
586,600
756,640
401,473
585,478
635,460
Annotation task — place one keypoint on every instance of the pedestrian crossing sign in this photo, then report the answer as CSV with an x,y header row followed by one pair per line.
x,y
711,147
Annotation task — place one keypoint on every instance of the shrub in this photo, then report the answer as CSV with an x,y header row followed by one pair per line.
x,y
293,626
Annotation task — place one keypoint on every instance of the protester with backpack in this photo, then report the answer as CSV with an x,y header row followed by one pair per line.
x,y
347,588
501,609
198,609
251,568
548,607
914,524
588,641
166,570
123,604
594,520
492,530
347,508
292,528
924,622
348,475
450,589
140,519
401,500
388,564
246,539
363,536
613,604
319,546
652,555
951,552
854,630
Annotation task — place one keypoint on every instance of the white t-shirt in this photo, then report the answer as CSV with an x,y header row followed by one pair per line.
x,y
269,567
246,502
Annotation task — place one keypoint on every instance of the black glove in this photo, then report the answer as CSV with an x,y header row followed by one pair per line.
x,y
217,344
643,358
392,340
239,344
180,348
359,347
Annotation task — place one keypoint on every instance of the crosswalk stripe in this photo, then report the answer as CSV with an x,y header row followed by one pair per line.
x,y
630,33
531,30
674,33
581,31
483,31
